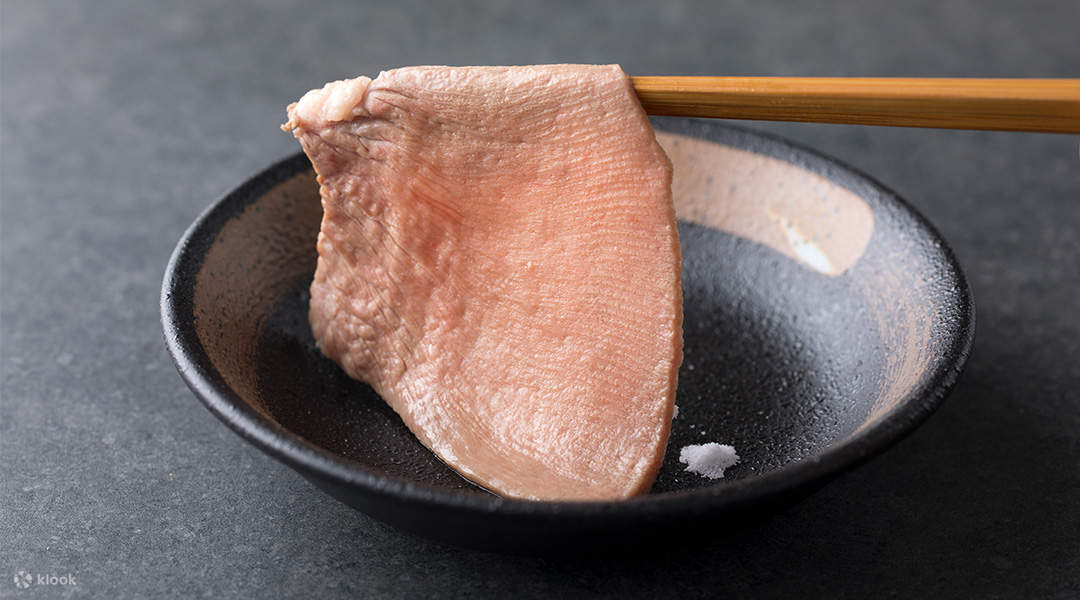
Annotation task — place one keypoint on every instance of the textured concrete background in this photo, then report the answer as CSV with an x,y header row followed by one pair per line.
x,y
121,121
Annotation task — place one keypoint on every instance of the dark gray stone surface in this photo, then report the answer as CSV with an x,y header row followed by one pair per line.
x,y
121,121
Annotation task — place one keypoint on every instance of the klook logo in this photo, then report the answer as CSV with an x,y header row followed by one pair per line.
x,y
24,580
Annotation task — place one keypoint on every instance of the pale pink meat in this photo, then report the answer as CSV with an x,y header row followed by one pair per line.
x,y
499,260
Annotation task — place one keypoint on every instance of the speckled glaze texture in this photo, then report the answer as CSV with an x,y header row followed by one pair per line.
x,y
807,372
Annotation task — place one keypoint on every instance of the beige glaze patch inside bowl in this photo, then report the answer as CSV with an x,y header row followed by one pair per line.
x,y
813,221
789,209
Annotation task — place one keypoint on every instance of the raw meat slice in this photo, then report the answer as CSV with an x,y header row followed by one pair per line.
x,y
499,260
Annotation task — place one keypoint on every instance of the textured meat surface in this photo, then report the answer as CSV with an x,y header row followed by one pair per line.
x,y
499,259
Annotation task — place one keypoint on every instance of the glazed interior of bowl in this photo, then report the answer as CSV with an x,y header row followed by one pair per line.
x,y
815,308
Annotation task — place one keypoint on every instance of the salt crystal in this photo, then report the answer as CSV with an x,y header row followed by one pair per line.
x,y
675,413
709,460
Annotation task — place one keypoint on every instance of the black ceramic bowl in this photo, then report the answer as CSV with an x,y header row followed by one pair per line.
x,y
824,320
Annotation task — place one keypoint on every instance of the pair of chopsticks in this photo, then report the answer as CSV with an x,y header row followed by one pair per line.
x,y
1047,105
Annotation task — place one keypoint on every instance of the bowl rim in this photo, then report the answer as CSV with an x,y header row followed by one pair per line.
x,y
197,371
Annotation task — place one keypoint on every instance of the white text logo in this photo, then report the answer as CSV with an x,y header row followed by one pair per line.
x,y
24,580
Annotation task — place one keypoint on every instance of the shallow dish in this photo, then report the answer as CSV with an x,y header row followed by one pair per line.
x,y
824,320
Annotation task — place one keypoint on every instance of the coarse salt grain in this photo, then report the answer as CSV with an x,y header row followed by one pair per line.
x,y
708,460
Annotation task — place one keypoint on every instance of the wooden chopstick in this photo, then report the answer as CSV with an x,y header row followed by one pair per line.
x,y
1048,105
